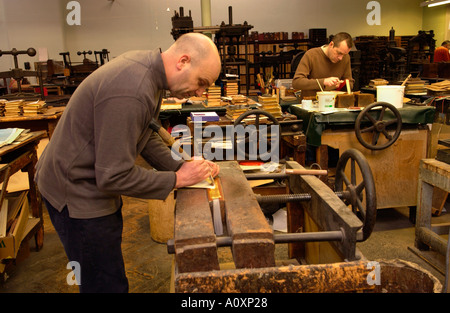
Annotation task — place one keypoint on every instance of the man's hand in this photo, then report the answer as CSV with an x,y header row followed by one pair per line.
x,y
195,171
214,168
332,81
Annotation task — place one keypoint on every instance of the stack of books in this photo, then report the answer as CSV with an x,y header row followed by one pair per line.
x,y
231,89
13,108
270,104
415,86
442,87
239,100
171,104
378,82
234,111
213,95
33,108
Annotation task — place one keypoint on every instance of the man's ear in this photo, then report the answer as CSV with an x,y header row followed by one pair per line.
x,y
183,61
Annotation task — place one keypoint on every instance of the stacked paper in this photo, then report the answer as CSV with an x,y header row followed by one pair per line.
x,y
33,108
270,104
213,95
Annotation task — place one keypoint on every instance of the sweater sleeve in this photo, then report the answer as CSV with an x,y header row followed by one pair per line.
x,y
157,154
302,80
118,129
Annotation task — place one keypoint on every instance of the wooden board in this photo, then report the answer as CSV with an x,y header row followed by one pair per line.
x,y
253,244
324,278
438,202
328,212
195,241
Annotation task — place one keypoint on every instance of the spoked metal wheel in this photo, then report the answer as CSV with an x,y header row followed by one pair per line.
x,y
366,123
358,188
256,132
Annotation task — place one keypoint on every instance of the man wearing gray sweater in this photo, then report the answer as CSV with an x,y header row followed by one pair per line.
x,y
90,160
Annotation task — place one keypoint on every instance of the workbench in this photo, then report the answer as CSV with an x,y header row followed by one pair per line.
x,y
395,168
46,121
318,221
252,241
432,173
292,139
23,157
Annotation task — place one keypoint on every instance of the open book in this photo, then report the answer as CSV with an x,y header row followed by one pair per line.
x,y
9,135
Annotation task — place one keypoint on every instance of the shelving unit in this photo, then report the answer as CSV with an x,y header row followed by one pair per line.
x,y
249,57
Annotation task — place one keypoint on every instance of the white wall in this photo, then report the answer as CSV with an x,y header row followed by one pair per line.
x,y
344,15
30,23
123,25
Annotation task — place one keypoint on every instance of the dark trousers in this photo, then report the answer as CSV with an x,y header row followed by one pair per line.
x,y
96,245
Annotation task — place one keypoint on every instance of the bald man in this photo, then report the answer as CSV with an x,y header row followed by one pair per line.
x,y
90,161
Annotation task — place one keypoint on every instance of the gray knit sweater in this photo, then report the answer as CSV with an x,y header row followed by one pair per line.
x,y
90,160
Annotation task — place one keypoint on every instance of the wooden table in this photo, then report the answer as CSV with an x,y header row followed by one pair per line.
x,y
23,157
395,168
292,139
46,121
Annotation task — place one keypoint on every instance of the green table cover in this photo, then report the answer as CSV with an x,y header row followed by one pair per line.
x,y
314,123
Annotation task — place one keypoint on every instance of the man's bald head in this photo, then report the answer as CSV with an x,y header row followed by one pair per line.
x,y
192,64
198,46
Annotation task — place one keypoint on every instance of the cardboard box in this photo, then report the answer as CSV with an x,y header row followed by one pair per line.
x,y
9,245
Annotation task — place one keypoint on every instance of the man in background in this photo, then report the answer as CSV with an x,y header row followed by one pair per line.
x,y
441,54
328,66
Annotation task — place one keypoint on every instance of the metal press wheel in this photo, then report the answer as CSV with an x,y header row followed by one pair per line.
x,y
359,189
378,125
247,139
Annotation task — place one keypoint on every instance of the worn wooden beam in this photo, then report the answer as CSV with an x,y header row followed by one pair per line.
x,y
327,211
195,241
253,244
318,278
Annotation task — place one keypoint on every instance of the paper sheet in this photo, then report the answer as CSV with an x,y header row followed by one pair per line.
x,y
280,220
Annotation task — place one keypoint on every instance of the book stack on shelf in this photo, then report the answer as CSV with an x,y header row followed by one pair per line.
x,y
270,104
213,95
33,108
231,89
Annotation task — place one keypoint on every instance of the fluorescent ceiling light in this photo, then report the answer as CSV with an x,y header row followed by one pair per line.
x,y
433,3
